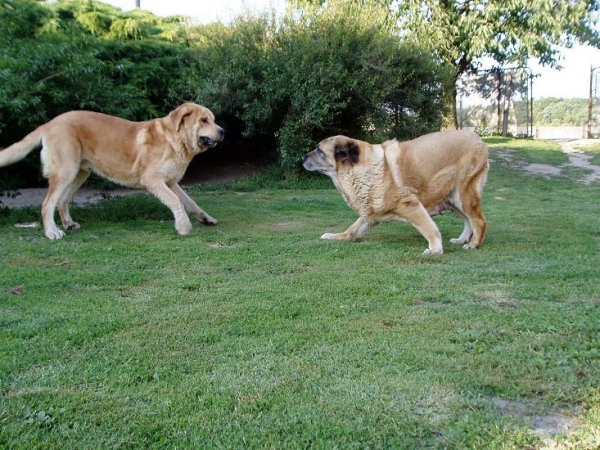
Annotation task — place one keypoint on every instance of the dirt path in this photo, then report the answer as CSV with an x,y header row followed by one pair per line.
x,y
210,173
578,159
574,150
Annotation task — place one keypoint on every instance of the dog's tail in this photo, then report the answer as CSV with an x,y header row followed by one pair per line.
x,y
479,172
483,177
21,149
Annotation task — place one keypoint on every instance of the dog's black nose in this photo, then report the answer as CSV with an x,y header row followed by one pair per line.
x,y
303,159
221,133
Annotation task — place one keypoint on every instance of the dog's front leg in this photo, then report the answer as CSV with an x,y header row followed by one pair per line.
x,y
171,200
356,231
192,207
418,216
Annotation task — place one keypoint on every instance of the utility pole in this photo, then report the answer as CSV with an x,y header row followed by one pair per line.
x,y
591,102
137,4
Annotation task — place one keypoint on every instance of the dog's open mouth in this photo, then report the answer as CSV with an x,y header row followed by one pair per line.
x,y
205,141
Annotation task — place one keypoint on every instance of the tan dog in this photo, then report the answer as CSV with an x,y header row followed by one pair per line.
x,y
408,181
153,155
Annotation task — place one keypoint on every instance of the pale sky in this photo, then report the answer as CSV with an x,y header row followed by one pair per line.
x,y
204,11
572,81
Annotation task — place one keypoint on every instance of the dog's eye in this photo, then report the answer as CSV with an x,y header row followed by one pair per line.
x,y
204,120
320,152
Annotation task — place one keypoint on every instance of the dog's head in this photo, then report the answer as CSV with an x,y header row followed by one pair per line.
x,y
332,154
198,123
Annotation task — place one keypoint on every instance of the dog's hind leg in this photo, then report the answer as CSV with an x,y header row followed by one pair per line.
x,y
472,206
469,209
457,208
467,232
472,209
57,187
192,207
65,200
466,202
60,157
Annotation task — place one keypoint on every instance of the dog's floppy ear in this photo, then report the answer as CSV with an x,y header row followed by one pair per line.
x,y
346,153
178,114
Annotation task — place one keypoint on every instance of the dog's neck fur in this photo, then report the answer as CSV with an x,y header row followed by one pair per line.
x,y
359,188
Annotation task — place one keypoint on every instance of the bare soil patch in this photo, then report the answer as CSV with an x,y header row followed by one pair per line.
x,y
208,173
577,159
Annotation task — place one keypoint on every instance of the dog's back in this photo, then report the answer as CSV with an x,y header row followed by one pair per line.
x,y
75,129
435,151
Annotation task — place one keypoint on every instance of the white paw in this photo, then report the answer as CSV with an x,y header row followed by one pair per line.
x,y
458,241
72,226
432,252
54,234
329,236
469,247
183,227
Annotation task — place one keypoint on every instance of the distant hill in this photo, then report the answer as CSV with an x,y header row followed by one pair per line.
x,y
546,112
556,111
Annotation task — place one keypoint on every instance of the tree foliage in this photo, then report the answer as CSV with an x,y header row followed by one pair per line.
x,y
50,63
319,71
373,69
553,111
460,32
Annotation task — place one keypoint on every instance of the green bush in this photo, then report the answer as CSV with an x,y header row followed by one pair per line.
x,y
277,85
47,71
22,18
320,71
43,77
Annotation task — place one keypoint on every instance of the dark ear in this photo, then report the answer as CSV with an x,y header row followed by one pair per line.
x,y
178,114
346,153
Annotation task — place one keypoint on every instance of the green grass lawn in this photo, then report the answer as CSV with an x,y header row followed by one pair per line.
x,y
257,334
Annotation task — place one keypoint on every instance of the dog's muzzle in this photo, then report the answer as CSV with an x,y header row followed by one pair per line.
x,y
205,141
307,162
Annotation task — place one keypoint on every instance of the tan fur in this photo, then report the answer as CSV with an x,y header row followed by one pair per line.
x,y
408,181
153,155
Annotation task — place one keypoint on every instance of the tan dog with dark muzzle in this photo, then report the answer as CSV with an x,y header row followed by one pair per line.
x,y
408,181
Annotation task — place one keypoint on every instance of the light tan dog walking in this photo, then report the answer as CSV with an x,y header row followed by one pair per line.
x,y
152,155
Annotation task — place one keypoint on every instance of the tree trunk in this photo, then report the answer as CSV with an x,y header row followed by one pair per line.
x,y
498,101
505,118
507,97
449,116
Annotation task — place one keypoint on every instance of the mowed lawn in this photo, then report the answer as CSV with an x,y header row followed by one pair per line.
x,y
257,334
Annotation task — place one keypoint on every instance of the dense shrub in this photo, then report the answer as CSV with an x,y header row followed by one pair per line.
x,y
45,71
317,72
278,85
